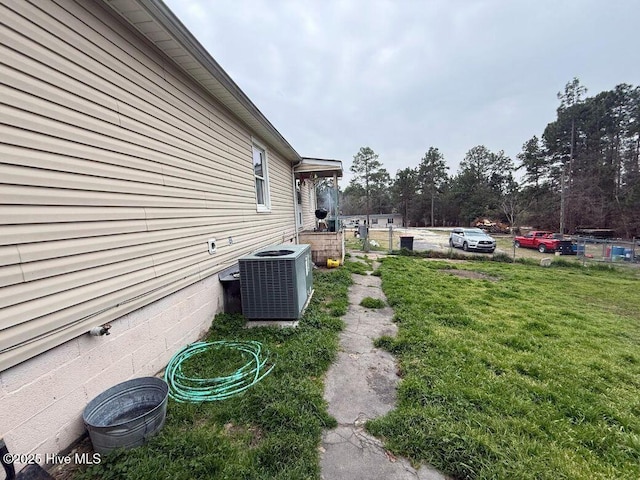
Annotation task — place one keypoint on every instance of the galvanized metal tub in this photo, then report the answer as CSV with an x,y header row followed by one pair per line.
x,y
127,414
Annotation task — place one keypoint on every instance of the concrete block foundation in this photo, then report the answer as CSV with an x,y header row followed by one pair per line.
x,y
324,245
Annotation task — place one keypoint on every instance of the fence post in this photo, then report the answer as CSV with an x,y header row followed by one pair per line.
x,y
390,238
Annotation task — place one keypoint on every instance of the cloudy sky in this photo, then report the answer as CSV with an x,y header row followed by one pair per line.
x,y
401,76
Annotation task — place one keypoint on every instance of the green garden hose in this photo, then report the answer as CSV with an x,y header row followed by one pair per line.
x,y
183,388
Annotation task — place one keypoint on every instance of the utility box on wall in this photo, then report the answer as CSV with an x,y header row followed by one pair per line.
x,y
276,282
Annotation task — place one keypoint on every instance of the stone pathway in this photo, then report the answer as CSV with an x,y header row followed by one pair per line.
x,y
361,385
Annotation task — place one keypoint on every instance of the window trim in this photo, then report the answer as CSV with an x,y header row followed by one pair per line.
x,y
266,206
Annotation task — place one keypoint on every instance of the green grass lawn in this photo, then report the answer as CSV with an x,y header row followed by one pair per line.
x,y
273,430
513,371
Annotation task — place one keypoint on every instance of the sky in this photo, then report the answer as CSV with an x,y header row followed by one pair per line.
x,y
401,76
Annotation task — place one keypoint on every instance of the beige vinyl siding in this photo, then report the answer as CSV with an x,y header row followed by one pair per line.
x,y
115,170
308,207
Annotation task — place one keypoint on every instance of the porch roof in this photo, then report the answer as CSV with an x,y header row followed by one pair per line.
x,y
318,167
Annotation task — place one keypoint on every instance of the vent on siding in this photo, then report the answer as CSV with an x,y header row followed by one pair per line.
x,y
276,282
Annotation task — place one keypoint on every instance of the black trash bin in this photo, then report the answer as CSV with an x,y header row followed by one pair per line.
x,y
406,242
230,279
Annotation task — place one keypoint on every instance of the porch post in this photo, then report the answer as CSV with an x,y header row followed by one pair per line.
x,y
336,213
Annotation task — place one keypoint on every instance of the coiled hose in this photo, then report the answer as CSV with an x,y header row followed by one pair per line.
x,y
192,389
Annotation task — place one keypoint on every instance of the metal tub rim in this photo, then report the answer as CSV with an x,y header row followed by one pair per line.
x,y
127,414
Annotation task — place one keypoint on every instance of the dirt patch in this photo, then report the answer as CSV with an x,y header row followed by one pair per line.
x,y
445,260
471,275
255,434
76,452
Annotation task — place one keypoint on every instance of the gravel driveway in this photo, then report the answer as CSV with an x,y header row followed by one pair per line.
x,y
436,238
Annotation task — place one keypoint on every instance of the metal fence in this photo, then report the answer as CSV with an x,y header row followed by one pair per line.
x,y
608,250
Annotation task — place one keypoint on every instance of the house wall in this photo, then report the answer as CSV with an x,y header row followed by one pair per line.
x,y
43,398
377,220
115,170
308,205
382,221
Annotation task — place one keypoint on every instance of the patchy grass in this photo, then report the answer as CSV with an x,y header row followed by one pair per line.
x,y
380,236
534,375
273,430
370,302
358,267
453,254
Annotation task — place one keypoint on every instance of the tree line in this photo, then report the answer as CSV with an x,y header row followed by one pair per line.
x,y
582,172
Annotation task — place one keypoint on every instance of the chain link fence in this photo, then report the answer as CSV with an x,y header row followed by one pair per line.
x,y
614,251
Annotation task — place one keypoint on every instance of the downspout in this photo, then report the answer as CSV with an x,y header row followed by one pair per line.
x,y
295,199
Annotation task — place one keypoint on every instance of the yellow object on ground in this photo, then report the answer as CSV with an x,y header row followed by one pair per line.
x,y
331,263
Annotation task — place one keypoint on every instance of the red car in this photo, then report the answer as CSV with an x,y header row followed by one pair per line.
x,y
544,241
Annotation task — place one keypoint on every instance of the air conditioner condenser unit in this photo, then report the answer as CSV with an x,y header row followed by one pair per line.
x,y
276,282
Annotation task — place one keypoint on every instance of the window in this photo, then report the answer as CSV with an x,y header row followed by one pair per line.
x,y
390,220
374,221
262,180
